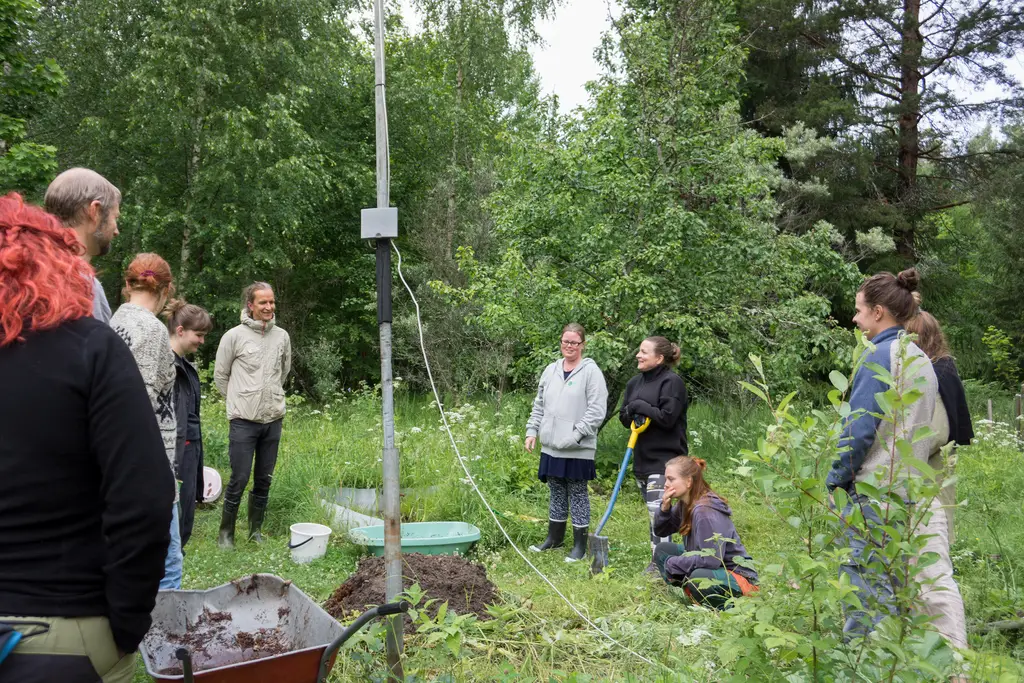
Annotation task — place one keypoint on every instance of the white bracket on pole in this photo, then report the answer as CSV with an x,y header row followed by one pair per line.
x,y
378,223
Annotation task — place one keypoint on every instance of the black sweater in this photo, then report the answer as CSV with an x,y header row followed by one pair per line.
x,y
659,394
85,491
951,391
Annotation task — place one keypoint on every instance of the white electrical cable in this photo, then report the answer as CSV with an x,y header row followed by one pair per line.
x,y
472,480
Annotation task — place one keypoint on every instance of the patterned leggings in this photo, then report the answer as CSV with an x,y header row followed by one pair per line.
x,y
569,496
652,489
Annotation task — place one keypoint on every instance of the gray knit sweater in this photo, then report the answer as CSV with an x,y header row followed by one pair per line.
x,y
149,342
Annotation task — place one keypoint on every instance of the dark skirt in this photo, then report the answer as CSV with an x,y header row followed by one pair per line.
x,y
565,468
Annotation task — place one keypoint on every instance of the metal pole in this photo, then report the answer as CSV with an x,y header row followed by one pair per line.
x,y
1017,424
392,503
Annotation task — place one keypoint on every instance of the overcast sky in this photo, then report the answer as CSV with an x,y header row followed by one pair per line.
x,y
565,62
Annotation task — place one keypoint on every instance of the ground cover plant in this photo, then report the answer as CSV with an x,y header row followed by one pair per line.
x,y
533,635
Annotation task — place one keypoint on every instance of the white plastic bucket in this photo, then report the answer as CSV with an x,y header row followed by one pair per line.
x,y
309,541
211,485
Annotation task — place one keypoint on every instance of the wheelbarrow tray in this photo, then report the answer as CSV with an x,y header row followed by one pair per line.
x,y
260,601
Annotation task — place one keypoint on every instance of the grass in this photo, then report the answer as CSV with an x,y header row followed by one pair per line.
x,y
535,635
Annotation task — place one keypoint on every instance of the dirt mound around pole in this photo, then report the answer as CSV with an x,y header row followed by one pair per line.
x,y
447,578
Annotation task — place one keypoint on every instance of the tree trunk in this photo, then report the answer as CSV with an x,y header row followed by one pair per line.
x,y
190,174
185,252
449,236
909,114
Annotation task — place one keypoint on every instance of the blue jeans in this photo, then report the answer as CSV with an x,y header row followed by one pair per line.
x,y
173,562
876,589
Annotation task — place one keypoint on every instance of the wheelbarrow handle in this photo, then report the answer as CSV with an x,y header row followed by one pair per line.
x,y
393,608
369,615
185,657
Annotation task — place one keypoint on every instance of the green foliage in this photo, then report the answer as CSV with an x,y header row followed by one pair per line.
x,y
799,635
533,635
1000,351
28,82
220,123
882,78
641,217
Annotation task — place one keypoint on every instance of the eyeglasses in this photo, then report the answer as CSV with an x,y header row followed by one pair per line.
x,y
571,343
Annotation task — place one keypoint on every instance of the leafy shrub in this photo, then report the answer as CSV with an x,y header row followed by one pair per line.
x,y
797,634
1001,355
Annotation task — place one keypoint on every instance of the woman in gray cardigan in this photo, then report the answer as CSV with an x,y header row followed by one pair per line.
x,y
148,284
568,411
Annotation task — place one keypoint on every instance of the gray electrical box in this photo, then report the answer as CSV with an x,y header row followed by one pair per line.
x,y
379,223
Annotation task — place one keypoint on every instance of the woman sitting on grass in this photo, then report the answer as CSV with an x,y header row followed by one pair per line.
x,y
703,519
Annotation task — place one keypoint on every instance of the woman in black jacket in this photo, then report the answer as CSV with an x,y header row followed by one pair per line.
x,y
952,417
188,325
85,487
660,394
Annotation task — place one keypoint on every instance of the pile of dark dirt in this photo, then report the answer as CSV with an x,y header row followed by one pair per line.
x,y
446,578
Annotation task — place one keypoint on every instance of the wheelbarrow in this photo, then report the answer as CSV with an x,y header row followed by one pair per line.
x,y
259,629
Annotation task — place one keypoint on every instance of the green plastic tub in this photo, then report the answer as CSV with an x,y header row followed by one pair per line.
x,y
428,538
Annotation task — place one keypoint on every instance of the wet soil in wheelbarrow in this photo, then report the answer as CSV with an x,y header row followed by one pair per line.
x,y
212,643
447,578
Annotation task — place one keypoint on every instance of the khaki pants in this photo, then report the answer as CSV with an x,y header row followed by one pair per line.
x,y
942,600
78,650
947,495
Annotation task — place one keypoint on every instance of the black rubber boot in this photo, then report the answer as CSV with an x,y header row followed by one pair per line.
x,y
257,510
579,543
556,534
226,539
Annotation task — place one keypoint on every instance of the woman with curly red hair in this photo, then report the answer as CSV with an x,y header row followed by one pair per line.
x,y
85,499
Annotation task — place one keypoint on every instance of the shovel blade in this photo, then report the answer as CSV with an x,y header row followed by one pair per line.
x,y
598,553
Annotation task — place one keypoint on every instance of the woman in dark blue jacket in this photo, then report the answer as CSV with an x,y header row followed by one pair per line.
x,y
188,325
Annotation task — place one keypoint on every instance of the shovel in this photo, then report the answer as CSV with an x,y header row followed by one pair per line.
x,y
599,544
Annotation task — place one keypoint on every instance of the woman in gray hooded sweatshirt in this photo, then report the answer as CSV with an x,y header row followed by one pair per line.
x,y
568,411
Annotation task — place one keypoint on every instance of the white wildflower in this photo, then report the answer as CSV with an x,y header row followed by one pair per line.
x,y
692,638
415,430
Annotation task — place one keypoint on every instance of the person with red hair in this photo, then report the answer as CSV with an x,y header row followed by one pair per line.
x,y
148,284
85,491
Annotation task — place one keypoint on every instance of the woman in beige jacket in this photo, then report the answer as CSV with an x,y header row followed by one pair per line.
x,y
253,361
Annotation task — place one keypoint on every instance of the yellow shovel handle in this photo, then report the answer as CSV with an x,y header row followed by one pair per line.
x,y
635,431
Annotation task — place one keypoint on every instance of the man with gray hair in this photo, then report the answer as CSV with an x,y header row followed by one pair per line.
x,y
90,205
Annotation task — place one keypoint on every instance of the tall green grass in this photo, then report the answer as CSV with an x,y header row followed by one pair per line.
x,y
537,637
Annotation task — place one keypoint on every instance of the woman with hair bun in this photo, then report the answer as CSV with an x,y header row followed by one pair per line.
x,y
704,520
148,284
885,303
659,394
